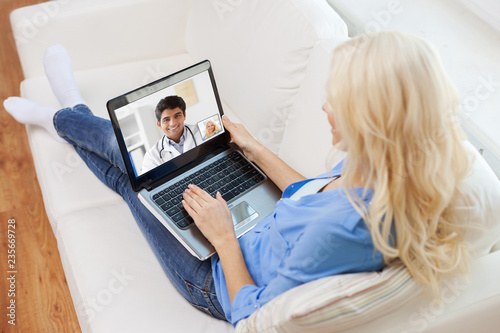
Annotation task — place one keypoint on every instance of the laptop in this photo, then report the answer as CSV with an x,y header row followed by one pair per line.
x,y
160,173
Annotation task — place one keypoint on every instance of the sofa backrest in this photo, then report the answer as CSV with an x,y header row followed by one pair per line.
x,y
260,51
156,33
478,206
307,139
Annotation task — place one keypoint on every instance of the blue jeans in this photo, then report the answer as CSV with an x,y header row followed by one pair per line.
x,y
94,140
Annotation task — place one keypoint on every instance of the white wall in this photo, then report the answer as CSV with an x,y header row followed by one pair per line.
x,y
469,46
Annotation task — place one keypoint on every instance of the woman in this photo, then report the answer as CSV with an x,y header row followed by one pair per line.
x,y
391,108
210,130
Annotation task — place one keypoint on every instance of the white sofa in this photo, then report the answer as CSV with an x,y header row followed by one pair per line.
x,y
270,60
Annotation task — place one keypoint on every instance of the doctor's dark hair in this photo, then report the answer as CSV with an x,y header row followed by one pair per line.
x,y
170,102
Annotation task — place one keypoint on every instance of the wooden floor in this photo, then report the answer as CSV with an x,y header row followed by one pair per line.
x,y
42,299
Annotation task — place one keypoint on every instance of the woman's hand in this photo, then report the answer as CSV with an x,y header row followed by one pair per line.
x,y
242,138
279,172
212,216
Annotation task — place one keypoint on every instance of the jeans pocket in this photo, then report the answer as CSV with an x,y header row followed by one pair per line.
x,y
203,301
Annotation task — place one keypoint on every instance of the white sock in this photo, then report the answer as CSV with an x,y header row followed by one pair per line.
x,y
28,112
59,71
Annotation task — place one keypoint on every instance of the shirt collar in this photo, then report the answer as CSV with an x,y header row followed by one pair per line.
x,y
292,188
335,172
178,146
181,141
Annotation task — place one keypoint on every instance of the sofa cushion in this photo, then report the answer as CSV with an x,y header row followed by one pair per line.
x,y
459,295
362,308
335,303
259,51
115,280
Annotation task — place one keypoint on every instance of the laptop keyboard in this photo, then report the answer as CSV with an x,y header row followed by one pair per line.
x,y
231,175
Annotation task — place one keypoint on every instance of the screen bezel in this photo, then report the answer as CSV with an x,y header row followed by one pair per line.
x,y
158,174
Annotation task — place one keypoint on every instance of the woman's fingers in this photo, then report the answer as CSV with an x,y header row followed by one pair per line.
x,y
228,124
241,136
212,216
199,193
188,209
197,198
219,198
191,200
234,129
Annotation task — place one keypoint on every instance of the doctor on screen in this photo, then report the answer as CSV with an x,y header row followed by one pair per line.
x,y
179,137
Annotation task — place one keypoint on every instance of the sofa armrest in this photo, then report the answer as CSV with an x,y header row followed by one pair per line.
x,y
99,33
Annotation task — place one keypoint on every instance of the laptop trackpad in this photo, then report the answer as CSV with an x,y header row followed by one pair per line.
x,y
242,214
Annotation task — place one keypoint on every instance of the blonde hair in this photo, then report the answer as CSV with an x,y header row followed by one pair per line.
x,y
395,109
216,129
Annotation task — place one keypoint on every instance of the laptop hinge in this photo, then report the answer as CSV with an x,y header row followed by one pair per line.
x,y
187,167
147,185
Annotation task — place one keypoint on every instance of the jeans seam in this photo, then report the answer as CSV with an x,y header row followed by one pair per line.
x,y
54,122
211,309
81,144
189,291
99,153
207,298
115,179
195,303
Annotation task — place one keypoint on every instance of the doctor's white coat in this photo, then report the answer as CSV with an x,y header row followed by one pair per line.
x,y
152,157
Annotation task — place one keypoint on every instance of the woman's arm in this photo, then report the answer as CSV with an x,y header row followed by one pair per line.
x,y
234,267
213,218
274,167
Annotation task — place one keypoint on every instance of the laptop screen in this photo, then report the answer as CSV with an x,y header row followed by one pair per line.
x,y
168,124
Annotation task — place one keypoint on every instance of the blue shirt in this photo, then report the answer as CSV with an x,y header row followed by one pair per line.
x,y
318,235
178,146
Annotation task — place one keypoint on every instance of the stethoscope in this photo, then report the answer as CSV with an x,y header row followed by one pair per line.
x,y
163,142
